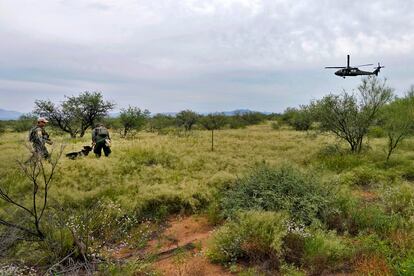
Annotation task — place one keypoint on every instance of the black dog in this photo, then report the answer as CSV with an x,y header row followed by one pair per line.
x,y
76,154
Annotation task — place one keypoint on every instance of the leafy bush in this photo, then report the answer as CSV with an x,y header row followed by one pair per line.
x,y
372,256
406,266
24,123
162,124
275,125
254,235
2,127
376,132
325,250
408,173
133,119
282,189
335,159
399,199
373,219
339,213
300,119
364,176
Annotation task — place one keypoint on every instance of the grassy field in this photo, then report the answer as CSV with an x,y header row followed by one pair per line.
x,y
364,226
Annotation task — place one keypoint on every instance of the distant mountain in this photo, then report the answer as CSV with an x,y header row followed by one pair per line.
x,y
242,111
9,115
227,113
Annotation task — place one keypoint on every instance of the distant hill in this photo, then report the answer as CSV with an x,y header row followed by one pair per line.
x,y
243,111
9,115
227,113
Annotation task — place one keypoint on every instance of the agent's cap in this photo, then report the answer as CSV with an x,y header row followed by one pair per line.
x,y
42,119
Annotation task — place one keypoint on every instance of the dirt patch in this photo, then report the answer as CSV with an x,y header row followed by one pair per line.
x,y
189,266
178,249
366,195
180,233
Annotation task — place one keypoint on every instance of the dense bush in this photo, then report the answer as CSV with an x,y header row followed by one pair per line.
x,y
2,127
300,119
24,123
161,123
325,250
278,189
406,266
253,235
133,119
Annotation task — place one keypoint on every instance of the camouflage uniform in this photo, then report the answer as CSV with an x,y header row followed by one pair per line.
x,y
99,136
39,137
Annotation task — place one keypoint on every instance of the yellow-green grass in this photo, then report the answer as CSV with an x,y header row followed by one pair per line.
x,y
182,168
160,174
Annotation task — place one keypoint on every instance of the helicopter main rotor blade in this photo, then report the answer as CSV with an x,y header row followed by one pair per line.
x,y
333,67
364,65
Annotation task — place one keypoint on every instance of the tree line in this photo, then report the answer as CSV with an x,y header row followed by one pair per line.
x,y
350,116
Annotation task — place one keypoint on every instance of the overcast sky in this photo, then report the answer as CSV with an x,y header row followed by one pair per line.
x,y
216,55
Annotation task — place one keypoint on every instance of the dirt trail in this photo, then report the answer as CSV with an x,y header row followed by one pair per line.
x,y
180,249
182,232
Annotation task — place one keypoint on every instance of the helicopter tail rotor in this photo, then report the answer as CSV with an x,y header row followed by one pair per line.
x,y
378,69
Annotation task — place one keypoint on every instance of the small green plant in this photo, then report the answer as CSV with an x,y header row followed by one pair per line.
x,y
364,176
253,235
275,125
406,266
325,250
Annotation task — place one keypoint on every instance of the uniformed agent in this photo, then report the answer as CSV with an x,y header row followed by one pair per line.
x,y
39,138
101,140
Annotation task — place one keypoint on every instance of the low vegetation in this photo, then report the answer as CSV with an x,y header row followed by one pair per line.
x,y
282,201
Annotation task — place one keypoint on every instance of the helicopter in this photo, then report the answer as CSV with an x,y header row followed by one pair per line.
x,y
348,71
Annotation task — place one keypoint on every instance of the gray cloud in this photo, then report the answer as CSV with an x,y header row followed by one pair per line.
x,y
206,55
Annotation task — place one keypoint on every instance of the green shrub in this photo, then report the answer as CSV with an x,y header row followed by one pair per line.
x,y
325,250
399,199
236,122
373,219
406,266
376,132
372,244
333,158
341,206
2,127
282,189
364,176
135,267
408,173
275,125
253,235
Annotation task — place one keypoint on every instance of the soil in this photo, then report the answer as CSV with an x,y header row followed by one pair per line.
x,y
180,249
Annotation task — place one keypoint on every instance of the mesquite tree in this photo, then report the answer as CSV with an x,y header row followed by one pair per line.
x,y
213,122
186,119
133,119
398,121
76,114
349,116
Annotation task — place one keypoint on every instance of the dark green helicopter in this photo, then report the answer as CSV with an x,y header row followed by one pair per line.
x,y
349,71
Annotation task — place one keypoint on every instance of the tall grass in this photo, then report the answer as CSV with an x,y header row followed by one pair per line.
x,y
152,176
